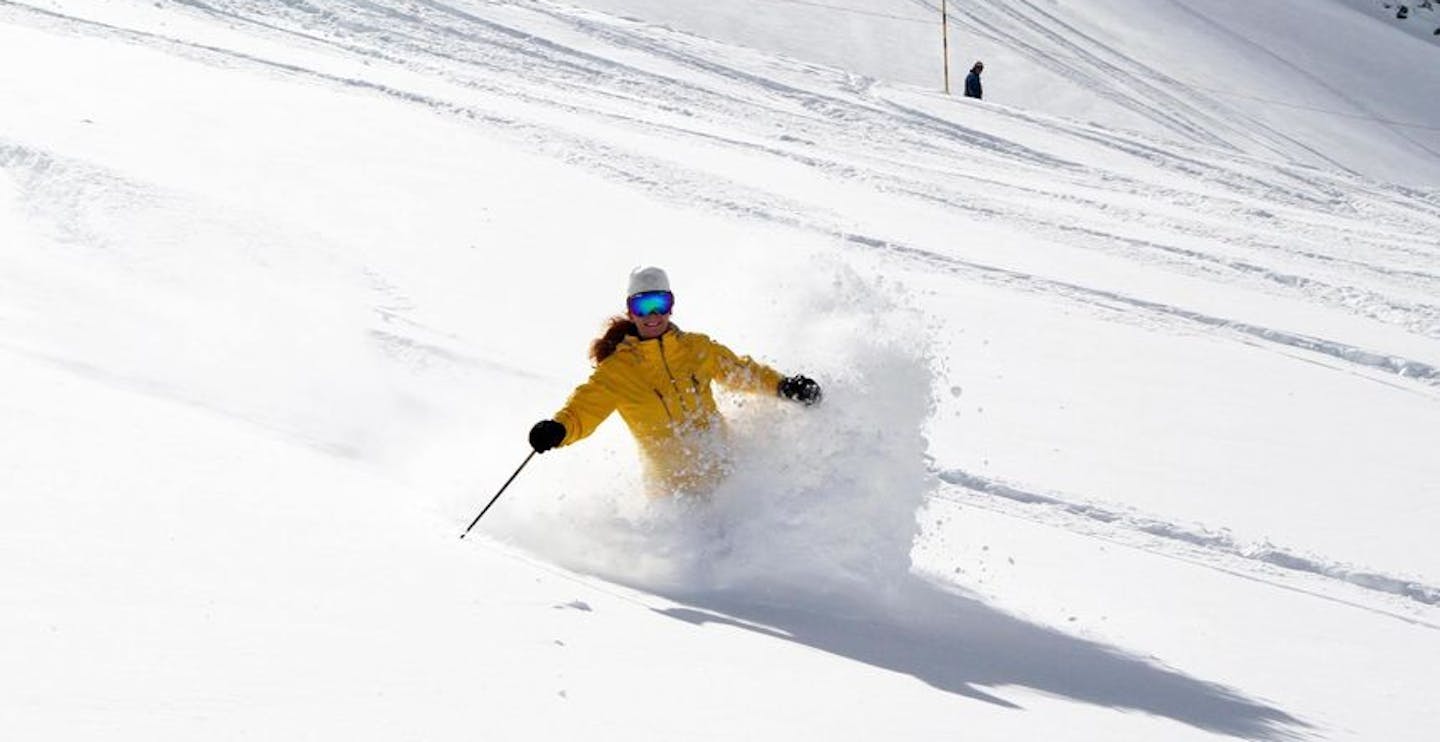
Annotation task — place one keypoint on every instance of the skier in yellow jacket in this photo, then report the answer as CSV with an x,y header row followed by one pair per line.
x,y
659,378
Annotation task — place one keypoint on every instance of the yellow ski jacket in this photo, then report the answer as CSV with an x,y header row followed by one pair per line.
x,y
662,390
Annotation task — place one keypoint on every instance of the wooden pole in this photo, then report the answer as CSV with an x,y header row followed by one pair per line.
x,y
945,41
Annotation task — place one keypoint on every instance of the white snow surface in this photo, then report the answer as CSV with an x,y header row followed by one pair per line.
x,y
1132,370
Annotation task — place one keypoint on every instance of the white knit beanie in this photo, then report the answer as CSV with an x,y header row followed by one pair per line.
x,y
648,278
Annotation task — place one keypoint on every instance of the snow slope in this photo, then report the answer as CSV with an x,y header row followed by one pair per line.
x,y
1337,83
1116,422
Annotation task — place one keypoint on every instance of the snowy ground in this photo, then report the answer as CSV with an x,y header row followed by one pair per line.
x,y
1127,436
1341,84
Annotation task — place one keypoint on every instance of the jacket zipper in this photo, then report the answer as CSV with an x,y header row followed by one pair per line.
x,y
661,397
673,383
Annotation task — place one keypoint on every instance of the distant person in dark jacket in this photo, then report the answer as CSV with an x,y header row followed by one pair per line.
x,y
972,81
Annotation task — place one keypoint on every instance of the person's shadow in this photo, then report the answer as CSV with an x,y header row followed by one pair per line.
x,y
960,645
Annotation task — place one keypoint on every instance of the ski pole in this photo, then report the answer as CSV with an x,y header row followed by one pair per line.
x,y
501,492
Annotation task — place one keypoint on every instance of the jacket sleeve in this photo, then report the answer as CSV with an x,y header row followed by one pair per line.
x,y
744,373
587,407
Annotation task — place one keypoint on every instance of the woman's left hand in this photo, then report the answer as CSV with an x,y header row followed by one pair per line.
x,y
802,389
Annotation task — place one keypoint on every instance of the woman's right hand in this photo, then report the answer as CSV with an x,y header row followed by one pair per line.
x,y
546,434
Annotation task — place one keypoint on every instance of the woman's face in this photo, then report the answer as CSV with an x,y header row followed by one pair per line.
x,y
651,325
650,311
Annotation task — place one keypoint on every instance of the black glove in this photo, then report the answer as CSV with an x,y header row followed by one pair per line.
x,y
546,435
802,389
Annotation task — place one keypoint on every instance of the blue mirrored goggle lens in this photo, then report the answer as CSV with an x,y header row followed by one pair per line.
x,y
651,302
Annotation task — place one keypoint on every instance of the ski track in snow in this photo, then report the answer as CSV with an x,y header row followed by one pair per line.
x,y
1327,238
1215,548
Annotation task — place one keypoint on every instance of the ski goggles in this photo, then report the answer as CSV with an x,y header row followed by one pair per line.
x,y
647,303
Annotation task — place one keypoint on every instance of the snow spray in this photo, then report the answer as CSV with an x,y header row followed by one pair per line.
x,y
823,498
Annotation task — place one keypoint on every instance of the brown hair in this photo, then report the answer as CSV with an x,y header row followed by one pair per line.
x,y
616,328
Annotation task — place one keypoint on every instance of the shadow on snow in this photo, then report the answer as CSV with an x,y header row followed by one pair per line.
x,y
960,645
